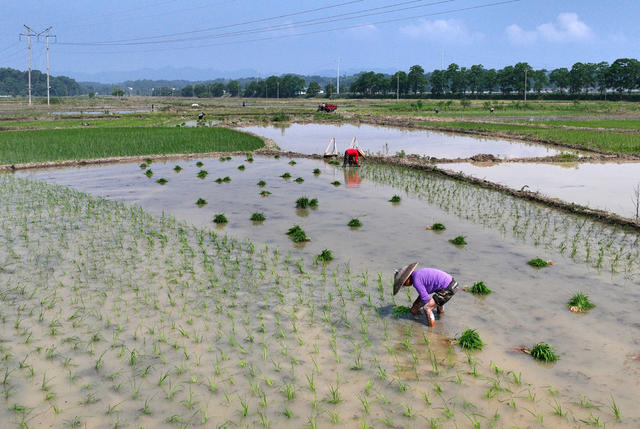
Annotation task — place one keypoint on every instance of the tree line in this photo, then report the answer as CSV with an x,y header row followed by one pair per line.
x,y
455,81
15,82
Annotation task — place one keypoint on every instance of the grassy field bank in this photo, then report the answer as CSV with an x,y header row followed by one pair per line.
x,y
78,144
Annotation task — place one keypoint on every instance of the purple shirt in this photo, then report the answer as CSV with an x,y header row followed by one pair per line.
x,y
429,280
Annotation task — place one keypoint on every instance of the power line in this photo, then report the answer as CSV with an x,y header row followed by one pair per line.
x,y
347,27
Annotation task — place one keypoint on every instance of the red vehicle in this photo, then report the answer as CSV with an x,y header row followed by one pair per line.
x,y
324,107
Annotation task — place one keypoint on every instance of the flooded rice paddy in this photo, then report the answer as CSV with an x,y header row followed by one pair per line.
x,y
171,319
606,186
314,138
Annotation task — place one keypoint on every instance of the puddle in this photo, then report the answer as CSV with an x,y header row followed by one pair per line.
x,y
314,138
606,186
101,112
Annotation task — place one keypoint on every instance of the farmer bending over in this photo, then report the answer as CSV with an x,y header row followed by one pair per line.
x,y
351,157
426,281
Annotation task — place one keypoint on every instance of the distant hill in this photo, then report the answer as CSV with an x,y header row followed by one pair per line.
x,y
15,82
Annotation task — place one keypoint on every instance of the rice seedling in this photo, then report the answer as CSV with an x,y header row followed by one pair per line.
x,y
199,164
289,391
615,410
299,180
459,240
400,310
177,169
262,183
470,340
297,234
334,395
395,199
354,223
148,173
336,183
292,162
202,174
201,202
285,175
539,263
258,217
302,203
162,181
334,162
148,160
580,303
220,218
265,193
325,256
241,167
143,166
543,352
316,171
479,288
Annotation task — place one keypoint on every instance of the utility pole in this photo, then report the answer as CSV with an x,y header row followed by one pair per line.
x,y
47,37
338,79
30,33
398,86
525,84
278,90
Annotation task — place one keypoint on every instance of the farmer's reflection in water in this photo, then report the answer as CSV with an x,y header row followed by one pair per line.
x,y
351,177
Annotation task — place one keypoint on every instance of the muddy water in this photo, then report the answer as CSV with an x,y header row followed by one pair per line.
x,y
527,305
314,138
607,186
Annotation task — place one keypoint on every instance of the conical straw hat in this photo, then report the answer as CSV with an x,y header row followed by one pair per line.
x,y
402,275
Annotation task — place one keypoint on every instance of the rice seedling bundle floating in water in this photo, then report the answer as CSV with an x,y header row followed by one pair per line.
x,y
302,203
162,181
580,303
220,218
262,183
285,175
201,202
325,256
336,183
265,193
258,217
400,310
479,288
148,173
177,169
292,162
299,180
354,223
241,167
297,234
395,199
316,171
543,352
148,160
199,164
143,166
539,263
437,227
470,340
202,174
459,240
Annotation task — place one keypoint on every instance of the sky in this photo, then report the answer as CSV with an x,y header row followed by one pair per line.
x,y
178,39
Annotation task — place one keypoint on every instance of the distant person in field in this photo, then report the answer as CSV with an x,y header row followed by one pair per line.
x,y
434,287
201,116
351,157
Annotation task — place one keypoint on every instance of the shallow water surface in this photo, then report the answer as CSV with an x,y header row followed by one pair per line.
x,y
314,138
607,186
527,305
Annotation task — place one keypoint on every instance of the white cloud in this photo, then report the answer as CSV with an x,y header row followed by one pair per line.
x,y
364,32
450,30
567,27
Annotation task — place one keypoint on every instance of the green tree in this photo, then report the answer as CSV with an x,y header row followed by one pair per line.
x,y
438,82
560,78
117,92
506,79
520,71
416,79
187,91
581,77
400,82
329,90
624,73
200,90
313,89
489,80
216,89
291,85
233,88
474,76
540,80
602,77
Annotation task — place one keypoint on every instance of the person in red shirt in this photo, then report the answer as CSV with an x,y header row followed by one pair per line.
x,y
351,157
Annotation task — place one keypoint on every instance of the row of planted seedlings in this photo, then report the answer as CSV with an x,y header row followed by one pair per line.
x,y
113,318
602,246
